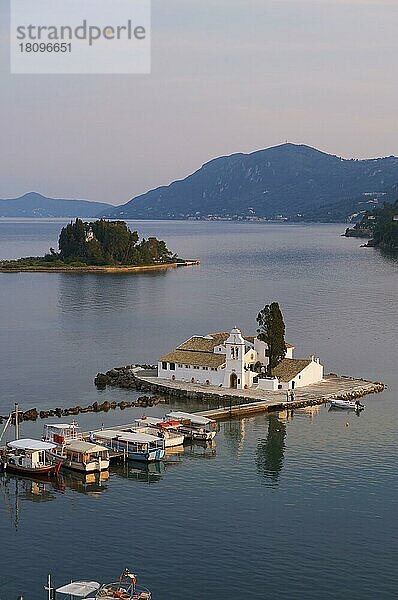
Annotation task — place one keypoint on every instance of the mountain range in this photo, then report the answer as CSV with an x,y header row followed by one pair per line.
x,y
36,205
289,181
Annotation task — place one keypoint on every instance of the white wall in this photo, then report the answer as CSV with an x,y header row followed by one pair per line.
x,y
311,374
200,375
260,348
268,383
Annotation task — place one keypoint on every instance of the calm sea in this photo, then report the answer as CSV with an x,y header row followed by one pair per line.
x,y
304,507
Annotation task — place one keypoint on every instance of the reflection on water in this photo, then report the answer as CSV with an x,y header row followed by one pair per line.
x,y
15,490
235,433
270,451
90,484
140,471
309,411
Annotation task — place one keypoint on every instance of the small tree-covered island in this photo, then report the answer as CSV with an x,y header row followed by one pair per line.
x,y
99,246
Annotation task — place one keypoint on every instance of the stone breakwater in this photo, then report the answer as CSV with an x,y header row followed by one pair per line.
x,y
33,413
124,377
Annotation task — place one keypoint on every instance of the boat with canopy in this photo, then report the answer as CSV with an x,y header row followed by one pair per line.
x,y
73,450
28,457
134,446
167,430
194,426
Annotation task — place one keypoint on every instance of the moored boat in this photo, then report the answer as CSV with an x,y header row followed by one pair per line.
x,y
194,426
134,446
125,588
168,430
28,457
347,404
73,450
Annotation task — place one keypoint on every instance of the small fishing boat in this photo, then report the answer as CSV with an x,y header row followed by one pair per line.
x,y
125,588
194,426
29,457
134,446
73,450
347,404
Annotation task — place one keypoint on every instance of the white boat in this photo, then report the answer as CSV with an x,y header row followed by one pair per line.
x,y
134,446
194,426
168,430
125,588
347,404
157,427
28,457
73,450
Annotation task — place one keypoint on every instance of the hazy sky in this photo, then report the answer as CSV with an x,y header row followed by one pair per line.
x,y
227,76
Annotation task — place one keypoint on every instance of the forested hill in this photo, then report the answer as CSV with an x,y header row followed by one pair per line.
x,y
36,205
381,225
289,181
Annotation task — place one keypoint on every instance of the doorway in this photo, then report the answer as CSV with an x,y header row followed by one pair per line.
x,y
233,381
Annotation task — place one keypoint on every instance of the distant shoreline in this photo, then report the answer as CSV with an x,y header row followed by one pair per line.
x,y
96,269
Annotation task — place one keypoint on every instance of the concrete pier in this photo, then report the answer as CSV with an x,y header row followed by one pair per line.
x,y
237,403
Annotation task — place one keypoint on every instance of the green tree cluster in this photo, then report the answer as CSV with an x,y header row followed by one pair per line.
x,y
109,243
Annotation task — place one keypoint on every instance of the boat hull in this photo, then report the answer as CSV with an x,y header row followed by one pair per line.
x,y
151,456
201,436
40,471
177,440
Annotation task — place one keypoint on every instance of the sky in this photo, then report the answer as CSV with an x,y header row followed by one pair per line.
x,y
227,76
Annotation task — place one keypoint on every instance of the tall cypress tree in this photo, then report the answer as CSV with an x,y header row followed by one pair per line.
x,y
271,330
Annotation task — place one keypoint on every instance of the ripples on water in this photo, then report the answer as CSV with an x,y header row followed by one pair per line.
x,y
283,507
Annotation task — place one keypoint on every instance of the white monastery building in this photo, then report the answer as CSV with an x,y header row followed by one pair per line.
x,y
231,360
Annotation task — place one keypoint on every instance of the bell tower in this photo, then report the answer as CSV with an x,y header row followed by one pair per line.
x,y
234,364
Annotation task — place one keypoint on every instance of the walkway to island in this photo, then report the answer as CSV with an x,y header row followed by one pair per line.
x,y
237,403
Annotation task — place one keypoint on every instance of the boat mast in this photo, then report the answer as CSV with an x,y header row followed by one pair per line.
x,y
49,588
16,421
6,425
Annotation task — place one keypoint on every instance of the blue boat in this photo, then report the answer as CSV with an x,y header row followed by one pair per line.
x,y
134,446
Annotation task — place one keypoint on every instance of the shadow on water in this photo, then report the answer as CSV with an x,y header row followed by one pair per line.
x,y
270,452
